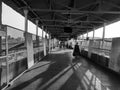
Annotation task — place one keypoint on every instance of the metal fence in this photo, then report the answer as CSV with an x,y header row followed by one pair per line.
x,y
13,59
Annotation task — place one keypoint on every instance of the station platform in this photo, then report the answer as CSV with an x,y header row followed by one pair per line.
x,y
59,70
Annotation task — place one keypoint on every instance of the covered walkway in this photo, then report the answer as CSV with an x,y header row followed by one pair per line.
x,y
60,71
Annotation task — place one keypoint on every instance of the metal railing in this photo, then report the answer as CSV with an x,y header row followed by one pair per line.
x,y
14,60
98,46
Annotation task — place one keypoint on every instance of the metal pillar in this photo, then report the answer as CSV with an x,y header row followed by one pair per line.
x,y
93,34
82,37
87,35
37,37
49,43
103,35
0,25
53,43
0,39
42,32
44,43
29,42
37,40
7,64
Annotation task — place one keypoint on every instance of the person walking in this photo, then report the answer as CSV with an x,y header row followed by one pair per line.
x,y
76,51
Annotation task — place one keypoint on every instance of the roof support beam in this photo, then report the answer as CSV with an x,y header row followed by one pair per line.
x,y
112,4
54,29
61,16
53,20
93,3
103,19
76,26
76,12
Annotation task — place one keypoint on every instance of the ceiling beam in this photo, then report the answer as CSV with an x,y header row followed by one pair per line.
x,y
29,8
59,29
87,5
76,26
53,20
76,11
59,15
98,17
112,4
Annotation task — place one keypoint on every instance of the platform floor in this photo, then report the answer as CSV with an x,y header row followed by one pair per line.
x,y
60,71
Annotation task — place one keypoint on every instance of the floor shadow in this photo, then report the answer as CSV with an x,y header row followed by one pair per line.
x,y
75,60
72,83
54,81
61,61
38,67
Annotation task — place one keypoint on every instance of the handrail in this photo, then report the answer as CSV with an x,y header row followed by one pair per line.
x,y
1,57
17,52
101,49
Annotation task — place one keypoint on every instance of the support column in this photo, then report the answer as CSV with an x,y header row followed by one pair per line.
x,y
42,32
37,37
1,40
44,43
0,25
37,41
87,35
93,34
29,42
103,35
49,43
53,43
82,37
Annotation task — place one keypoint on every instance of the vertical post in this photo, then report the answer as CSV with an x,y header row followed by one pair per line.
x,y
103,35
45,40
26,20
0,39
93,34
82,37
87,34
7,64
42,32
49,43
53,43
44,43
37,38
29,42
0,25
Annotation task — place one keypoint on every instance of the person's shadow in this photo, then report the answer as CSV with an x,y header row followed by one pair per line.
x,y
74,60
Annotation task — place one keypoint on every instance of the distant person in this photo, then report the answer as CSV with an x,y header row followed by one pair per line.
x,y
76,51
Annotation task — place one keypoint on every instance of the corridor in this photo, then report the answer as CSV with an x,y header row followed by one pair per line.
x,y
60,71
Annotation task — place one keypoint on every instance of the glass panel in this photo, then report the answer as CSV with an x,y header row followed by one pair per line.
x,y
3,43
17,55
102,48
34,47
38,49
3,72
3,66
16,40
41,49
